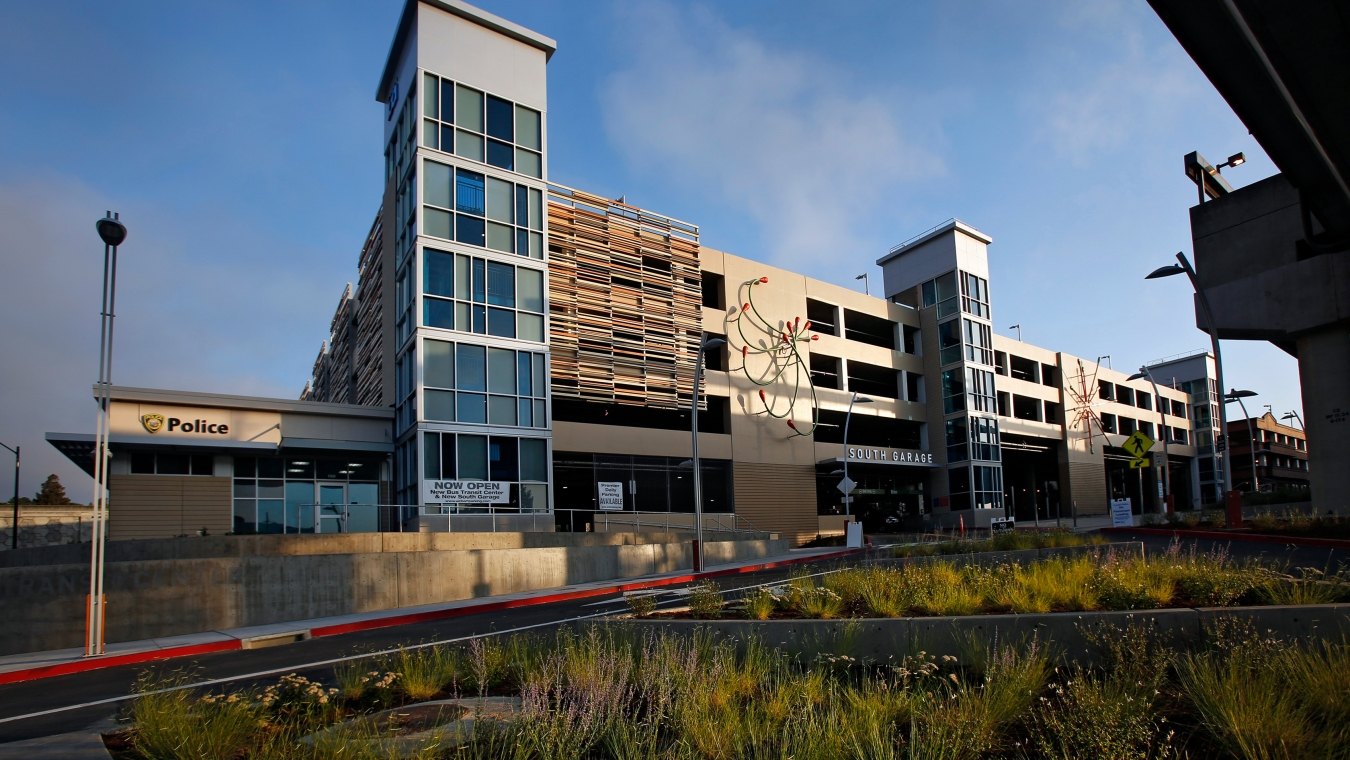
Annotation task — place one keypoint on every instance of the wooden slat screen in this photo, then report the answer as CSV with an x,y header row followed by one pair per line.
x,y
625,302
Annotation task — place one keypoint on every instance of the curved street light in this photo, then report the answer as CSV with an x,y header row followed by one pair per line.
x,y
1159,407
704,343
1184,267
846,483
1236,395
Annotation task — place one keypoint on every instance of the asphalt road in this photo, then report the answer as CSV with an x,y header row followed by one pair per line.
x,y
70,703
75,701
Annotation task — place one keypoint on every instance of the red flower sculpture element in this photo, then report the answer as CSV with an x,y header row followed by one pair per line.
x,y
796,322
792,424
761,396
815,337
763,280
745,350
745,307
807,326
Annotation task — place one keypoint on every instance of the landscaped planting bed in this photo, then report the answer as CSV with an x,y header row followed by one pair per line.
x,y
1162,683
1085,583
613,693
1017,540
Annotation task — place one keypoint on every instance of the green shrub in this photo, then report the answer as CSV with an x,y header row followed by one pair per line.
x,y
759,604
641,604
174,722
705,600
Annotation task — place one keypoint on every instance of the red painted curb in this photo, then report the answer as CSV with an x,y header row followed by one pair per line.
x,y
133,658
1265,538
112,661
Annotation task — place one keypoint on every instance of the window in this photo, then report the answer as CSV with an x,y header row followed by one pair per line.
x,y
979,342
957,441
521,462
949,341
974,295
980,388
984,441
474,295
150,463
463,382
472,208
941,292
953,391
481,127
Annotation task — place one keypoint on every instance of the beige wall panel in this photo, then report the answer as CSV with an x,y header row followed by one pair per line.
x,y
613,439
1083,486
161,506
778,498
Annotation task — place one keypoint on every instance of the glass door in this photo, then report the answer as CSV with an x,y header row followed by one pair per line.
x,y
332,508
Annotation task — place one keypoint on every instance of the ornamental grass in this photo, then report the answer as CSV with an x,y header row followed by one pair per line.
x,y
1083,583
610,693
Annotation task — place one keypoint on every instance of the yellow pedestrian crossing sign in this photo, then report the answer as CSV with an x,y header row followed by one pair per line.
x,y
1137,444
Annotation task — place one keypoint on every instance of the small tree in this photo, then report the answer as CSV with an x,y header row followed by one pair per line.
x,y
52,492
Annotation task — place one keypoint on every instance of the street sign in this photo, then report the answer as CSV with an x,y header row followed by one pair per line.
x,y
1220,443
1137,444
1140,463
847,485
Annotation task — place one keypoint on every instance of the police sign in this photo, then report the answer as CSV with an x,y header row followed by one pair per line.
x,y
465,492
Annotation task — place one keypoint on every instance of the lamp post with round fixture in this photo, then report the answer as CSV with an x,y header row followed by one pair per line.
x,y
113,233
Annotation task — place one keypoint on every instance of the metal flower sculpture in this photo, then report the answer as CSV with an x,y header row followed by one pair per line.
x,y
1085,397
772,358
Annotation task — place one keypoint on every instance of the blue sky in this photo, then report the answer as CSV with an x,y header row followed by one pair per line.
x,y
241,143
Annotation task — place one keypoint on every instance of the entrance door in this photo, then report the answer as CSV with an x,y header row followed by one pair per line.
x,y
332,508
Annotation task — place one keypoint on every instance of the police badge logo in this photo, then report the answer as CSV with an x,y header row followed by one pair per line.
x,y
152,423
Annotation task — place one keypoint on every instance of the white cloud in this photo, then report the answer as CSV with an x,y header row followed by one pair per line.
x,y
1123,89
778,135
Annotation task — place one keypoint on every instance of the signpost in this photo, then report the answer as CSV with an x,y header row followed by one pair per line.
x,y
1001,525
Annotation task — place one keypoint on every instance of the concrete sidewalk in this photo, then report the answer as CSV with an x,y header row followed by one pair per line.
x,y
37,665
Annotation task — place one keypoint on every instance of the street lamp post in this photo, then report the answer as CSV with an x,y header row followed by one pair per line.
x,y
1292,415
1220,457
14,542
846,483
112,232
863,277
704,343
1161,409
1236,395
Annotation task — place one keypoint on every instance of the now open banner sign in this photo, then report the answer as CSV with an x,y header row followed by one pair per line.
x,y
465,492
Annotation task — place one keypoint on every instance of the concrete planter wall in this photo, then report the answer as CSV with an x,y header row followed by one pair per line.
x,y
176,586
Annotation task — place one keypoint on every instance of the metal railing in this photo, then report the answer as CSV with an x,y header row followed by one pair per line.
x,y
489,518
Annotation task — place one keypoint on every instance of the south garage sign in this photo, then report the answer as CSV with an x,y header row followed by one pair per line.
x,y
871,455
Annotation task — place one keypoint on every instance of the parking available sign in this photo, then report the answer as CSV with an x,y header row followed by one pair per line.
x,y
465,492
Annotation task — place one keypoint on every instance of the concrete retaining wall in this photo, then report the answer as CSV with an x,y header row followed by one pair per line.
x,y
882,640
238,581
